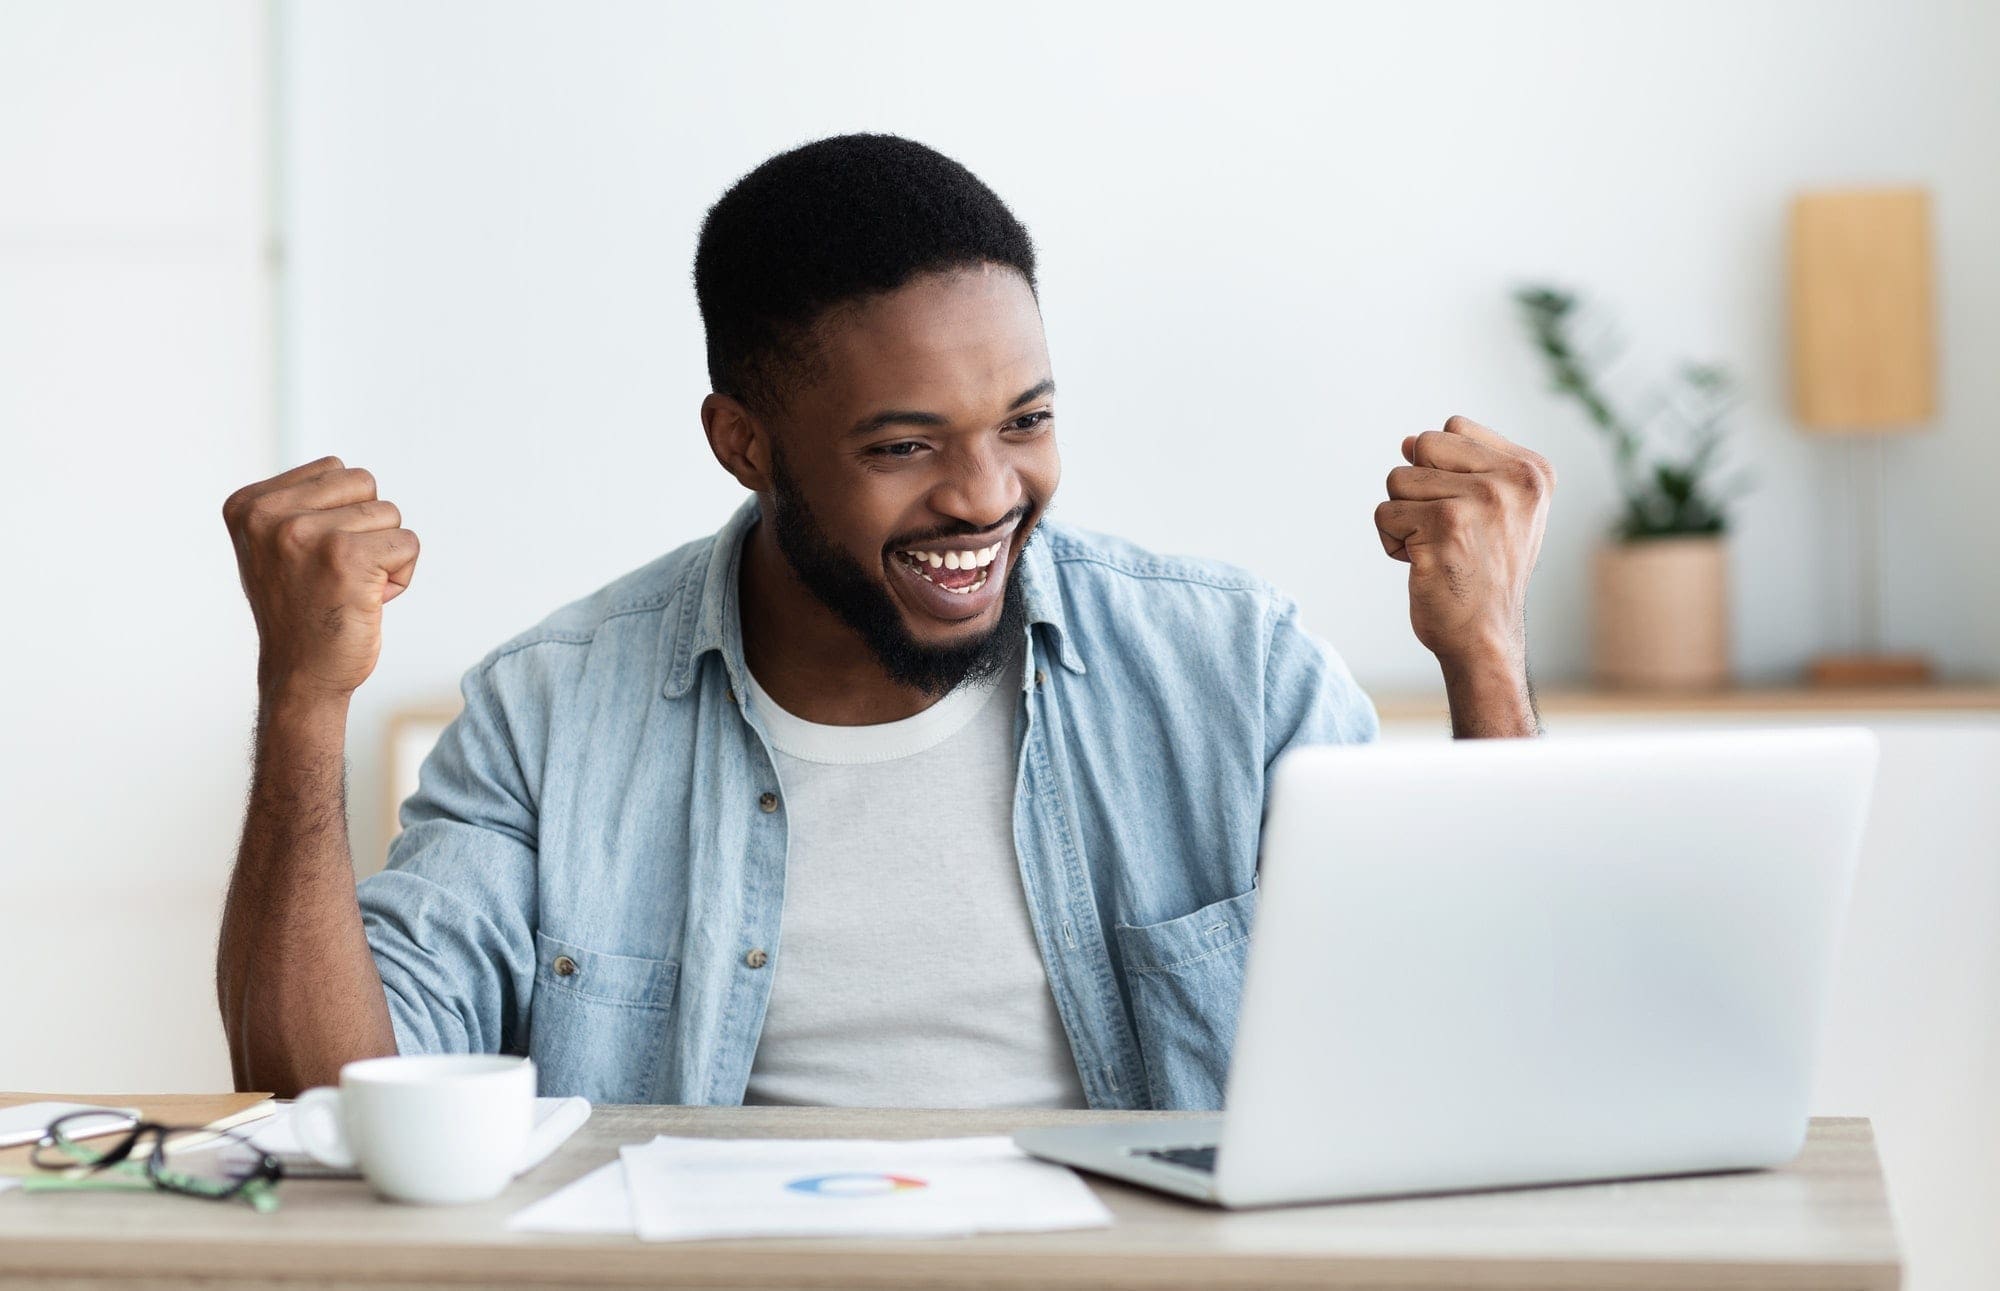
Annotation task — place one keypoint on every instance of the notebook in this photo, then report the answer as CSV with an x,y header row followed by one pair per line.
x,y
216,1111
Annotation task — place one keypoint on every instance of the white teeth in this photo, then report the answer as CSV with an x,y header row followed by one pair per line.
x,y
978,559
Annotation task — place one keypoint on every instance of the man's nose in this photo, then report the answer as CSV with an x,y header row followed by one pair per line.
x,y
977,488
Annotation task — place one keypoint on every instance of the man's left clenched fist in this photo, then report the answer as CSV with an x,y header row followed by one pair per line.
x,y
1467,514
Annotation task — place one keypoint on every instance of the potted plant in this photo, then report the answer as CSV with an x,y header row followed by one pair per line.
x,y
1660,580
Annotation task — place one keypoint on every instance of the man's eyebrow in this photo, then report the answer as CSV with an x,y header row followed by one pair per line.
x,y
902,417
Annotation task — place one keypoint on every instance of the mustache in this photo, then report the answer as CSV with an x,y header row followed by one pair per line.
x,y
1012,518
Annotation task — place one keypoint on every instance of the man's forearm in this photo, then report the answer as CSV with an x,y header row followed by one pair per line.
x,y
1490,697
294,977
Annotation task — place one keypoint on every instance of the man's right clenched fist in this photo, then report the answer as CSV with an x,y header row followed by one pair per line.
x,y
320,555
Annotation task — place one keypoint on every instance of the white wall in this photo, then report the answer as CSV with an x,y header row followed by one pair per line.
x,y
1274,243
134,395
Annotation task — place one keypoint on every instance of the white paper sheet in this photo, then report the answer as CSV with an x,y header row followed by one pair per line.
x,y
687,1188
596,1203
26,1122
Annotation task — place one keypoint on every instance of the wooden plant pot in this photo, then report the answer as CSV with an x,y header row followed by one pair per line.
x,y
1660,614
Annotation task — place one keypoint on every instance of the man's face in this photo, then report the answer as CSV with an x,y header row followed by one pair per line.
x,y
929,443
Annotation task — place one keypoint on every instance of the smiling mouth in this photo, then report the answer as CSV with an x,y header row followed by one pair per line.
x,y
959,572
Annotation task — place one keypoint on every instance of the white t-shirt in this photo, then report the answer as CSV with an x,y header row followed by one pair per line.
x,y
907,973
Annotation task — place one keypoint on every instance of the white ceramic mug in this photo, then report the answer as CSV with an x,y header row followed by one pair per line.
x,y
431,1128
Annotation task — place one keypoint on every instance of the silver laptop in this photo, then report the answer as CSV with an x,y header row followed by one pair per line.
x,y
1502,962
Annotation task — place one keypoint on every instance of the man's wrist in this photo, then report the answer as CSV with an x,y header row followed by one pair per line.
x,y
293,713
1483,660
1488,690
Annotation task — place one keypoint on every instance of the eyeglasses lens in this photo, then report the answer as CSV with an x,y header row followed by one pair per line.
x,y
86,1138
210,1167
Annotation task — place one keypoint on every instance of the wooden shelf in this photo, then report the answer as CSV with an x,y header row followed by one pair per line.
x,y
1804,701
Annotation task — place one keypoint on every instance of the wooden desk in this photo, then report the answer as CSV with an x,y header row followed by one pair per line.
x,y
1822,1222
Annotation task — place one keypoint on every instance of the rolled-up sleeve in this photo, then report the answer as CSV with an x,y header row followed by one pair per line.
x,y
450,917
1309,695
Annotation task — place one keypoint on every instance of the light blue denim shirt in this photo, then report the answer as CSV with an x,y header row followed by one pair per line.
x,y
595,853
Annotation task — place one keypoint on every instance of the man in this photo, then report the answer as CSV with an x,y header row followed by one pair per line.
x,y
888,792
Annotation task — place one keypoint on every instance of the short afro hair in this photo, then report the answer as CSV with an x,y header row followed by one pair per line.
x,y
826,224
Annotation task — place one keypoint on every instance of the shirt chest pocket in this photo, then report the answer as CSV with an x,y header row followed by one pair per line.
x,y
1186,980
598,1023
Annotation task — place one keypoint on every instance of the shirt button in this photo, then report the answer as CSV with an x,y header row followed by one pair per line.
x,y
1040,676
564,966
757,959
767,802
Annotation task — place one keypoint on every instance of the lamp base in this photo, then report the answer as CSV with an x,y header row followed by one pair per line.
x,y
1870,670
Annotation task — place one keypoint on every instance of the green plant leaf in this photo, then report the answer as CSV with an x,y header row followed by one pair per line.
x,y
1669,493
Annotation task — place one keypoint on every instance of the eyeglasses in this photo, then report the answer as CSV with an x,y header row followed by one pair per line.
x,y
230,1167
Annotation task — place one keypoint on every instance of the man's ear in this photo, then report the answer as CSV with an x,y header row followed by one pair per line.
x,y
739,441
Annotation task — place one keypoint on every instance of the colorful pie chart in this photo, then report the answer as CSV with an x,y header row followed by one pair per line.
x,y
855,1185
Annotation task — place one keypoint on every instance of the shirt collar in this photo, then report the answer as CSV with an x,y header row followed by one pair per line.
x,y
704,616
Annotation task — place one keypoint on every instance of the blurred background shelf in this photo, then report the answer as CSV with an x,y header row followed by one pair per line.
x,y
1801,701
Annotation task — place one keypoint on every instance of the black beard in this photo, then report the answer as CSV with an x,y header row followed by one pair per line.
x,y
844,586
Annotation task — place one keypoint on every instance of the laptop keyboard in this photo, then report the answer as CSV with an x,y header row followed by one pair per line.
x,y
1202,1158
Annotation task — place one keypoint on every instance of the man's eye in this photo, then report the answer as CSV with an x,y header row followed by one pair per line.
x,y
1033,421
902,448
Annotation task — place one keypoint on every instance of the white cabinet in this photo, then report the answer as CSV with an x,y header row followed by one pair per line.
x,y
1914,1037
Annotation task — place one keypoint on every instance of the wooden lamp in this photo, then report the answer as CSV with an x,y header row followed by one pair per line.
x,y
1863,366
